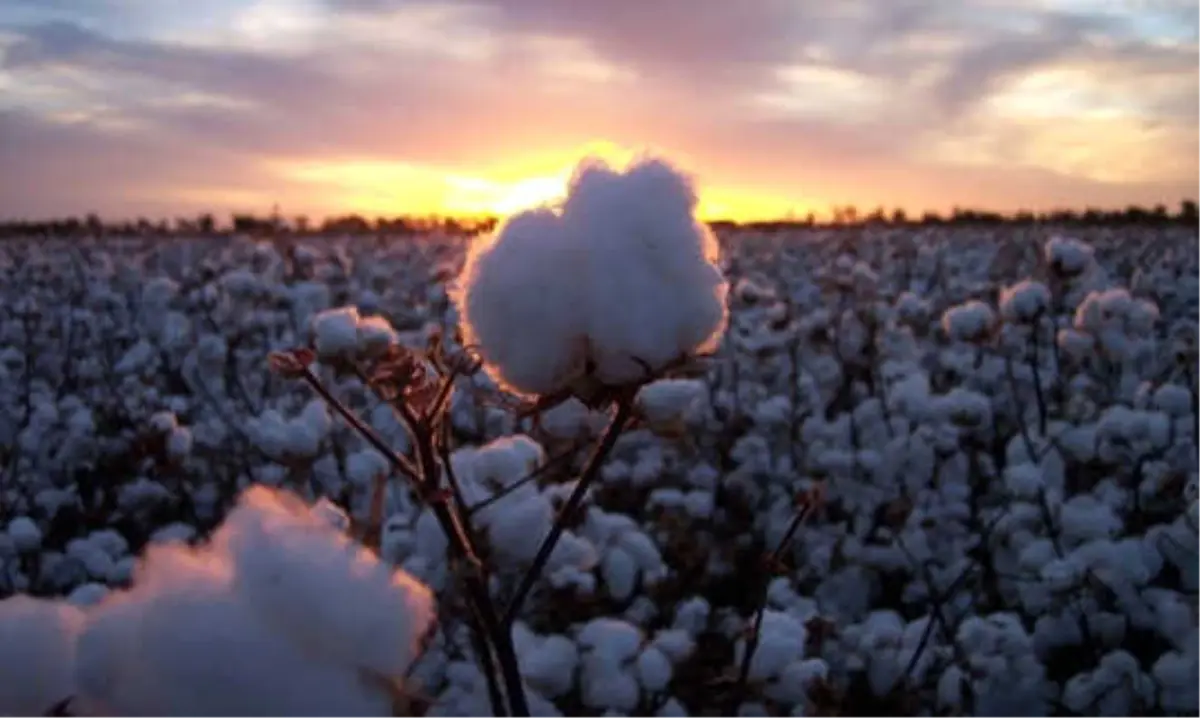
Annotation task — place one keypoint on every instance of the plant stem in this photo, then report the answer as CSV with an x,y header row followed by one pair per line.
x,y
474,576
426,477
590,472
772,560
400,463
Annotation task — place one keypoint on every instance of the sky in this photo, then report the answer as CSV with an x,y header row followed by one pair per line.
x,y
165,108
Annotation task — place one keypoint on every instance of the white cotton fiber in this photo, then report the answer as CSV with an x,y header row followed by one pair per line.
x,y
520,303
181,643
654,290
321,588
668,399
335,333
25,534
1068,257
970,321
620,278
1024,301
375,334
37,654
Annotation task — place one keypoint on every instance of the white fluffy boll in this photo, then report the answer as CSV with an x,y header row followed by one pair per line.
x,y
37,654
622,277
279,614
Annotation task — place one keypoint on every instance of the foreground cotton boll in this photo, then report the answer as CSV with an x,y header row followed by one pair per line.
x,y
539,296
37,654
648,255
520,304
320,588
181,642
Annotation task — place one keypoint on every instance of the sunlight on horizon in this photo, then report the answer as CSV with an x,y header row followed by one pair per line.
x,y
385,187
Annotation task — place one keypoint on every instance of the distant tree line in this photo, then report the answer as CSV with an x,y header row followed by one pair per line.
x,y
840,216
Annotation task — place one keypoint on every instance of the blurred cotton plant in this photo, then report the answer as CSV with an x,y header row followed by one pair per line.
x,y
278,613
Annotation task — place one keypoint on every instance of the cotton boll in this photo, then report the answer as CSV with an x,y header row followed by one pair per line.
x,y
25,535
320,588
1172,399
515,533
672,708
1024,480
37,654
614,640
968,322
98,563
1175,673
643,549
537,296
335,333
675,643
519,300
163,422
374,336
781,640
1068,257
1024,301
668,399
620,573
1076,345
568,420
179,442
653,670
648,254
606,685
911,309
307,431
182,644
364,466
550,665
508,459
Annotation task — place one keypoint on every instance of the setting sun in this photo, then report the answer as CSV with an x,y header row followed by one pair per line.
x,y
373,187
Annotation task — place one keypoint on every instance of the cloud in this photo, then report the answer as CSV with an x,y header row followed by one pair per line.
x,y
996,102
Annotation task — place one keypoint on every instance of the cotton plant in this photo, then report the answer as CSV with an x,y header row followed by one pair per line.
x,y
1084,527
277,593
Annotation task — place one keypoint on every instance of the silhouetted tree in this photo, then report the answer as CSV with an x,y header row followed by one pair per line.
x,y
1188,212
205,224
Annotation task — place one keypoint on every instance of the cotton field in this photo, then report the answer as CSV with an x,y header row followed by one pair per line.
x,y
921,471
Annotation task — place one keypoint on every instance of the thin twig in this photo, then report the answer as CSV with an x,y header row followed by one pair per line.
x,y
623,414
551,462
400,463
772,561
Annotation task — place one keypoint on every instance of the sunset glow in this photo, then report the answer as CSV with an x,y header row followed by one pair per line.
x,y
381,107
375,188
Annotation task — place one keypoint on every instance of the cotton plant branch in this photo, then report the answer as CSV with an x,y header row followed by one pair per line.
x,y
423,415
624,412
809,503
552,462
425,477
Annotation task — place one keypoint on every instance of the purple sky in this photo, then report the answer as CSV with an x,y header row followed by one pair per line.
x,y
171,107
